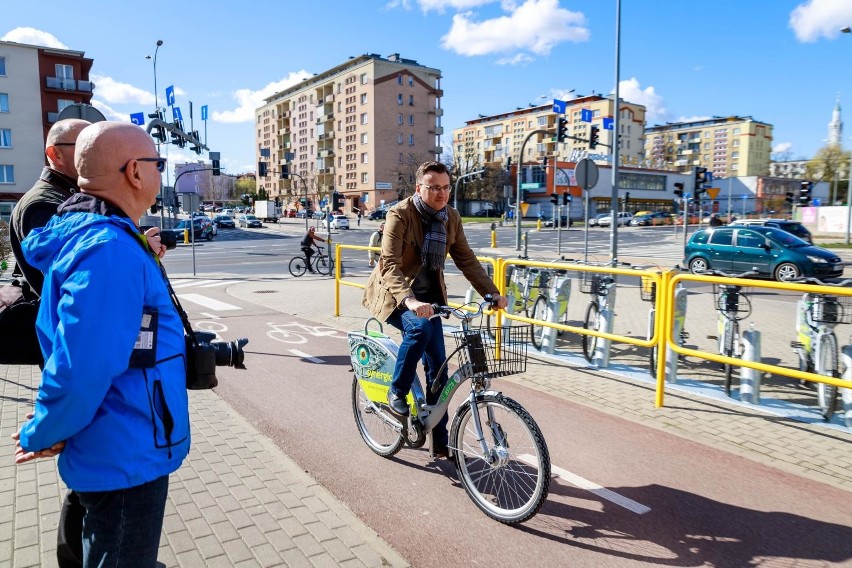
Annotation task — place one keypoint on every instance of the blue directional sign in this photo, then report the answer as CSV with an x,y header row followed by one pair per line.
x,y
559,106
708,176
204,112
586,115
608,124
170,95
176,114
138,118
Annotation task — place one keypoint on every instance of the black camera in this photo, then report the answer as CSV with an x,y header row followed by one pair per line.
x,y
168,239
203,355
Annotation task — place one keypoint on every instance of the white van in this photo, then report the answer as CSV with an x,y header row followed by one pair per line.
x,y
623,218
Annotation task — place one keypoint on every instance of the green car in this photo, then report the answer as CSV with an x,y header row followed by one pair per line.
x,y
773,252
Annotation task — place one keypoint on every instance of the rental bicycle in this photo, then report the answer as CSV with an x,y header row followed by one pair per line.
x,y
602,289
648,293
520,283
320,262
733,305
499,451
816,345
555,289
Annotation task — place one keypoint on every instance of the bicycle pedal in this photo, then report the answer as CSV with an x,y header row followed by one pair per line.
x,y
797,345
712,337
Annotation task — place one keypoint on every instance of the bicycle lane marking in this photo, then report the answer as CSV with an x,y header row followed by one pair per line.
x,y
591,486
310,358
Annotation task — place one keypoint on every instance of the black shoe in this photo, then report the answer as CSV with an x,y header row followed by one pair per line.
x,y
312,271
439,450
398,404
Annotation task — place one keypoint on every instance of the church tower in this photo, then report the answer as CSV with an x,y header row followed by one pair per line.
x,y
835,127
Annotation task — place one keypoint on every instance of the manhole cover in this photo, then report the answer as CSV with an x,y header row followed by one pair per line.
x,y
266,291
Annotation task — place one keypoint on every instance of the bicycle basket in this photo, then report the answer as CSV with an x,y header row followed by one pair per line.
x,y
831,309
492,358
591,283
731,299
648,289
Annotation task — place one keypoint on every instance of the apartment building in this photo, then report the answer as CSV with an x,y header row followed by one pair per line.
x,y
729,146
36,83
490,140
356,129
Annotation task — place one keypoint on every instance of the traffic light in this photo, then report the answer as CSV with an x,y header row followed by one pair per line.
x,y
561,129
336,201
285,172
278,202
261,169
805,192
196,147
593,137
566,198
678,189
178,139
509,164
544,162
627,198
214,160
525,194
789,198
699,174
554,199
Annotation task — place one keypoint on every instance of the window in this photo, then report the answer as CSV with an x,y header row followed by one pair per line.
x,y
411,139
2,66
399,79
364,138
364,159
62,103
542,121
64,71
363,98
400,157
399,99
363,78
411,119
365,177
399,138
736,131
5,138
7,174
363,118
722,237
4,102
410,100
399,118
750,239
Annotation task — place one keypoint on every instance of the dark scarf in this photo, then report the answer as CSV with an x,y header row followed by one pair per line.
x,y
434,250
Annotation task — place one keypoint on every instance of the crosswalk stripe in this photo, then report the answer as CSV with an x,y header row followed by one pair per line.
x,y
193,283
210,303
220,283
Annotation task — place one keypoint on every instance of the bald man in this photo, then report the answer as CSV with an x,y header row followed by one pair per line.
x,y
112,400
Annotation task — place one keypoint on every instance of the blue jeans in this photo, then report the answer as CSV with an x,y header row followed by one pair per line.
x,y
422,339
122,527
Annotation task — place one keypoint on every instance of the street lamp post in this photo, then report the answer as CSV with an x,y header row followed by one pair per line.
x,y
157,110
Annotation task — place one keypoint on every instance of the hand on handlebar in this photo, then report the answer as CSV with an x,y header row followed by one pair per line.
x,y
421,309
499,302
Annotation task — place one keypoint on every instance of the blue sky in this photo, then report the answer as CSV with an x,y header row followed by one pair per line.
x,y
781,61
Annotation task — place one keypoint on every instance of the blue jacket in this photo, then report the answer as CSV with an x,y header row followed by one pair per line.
x,y
123,426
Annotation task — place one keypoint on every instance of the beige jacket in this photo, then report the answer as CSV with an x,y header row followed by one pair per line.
x,y
390,282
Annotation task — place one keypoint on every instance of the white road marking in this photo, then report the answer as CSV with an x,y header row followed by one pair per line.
x,y
192,283
210,303
219,283
305,356
593,487
210,316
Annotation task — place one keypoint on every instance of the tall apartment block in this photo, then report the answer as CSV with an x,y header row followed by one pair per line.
x,y
489,140
35,84
354,129
727,146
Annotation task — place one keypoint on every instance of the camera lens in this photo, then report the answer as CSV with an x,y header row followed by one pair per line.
x,y
230,353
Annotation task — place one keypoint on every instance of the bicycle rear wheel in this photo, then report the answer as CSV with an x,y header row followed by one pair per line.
x,y
511,481
592,321
379,429
827,394
731,342
298,266
324,265
540,311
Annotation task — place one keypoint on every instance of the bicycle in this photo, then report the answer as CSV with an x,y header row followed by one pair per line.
x,y
555,289
520,281
733,305
601,287
499,451
648,293
320,262
817,316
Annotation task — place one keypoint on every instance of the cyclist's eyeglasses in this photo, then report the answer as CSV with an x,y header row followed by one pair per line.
x,y
436,187
65,144
161,163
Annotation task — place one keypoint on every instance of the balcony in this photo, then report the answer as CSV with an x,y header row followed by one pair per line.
x,y
325,117
326,171
63,84
326,153
436,111
438,151
438,130
439,92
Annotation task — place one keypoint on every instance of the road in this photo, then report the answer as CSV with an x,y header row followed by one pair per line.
x,y
689,504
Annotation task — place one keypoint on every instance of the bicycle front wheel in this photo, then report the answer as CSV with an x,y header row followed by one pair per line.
x,y
379,429
510,481
827,394
592,321
298,266
539,312
324,265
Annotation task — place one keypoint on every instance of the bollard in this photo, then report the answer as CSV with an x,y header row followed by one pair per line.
x,y
186,236
846,394
750,378
493,239
538,225
526,243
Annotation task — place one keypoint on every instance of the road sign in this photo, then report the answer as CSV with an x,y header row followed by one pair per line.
x,y
586,115
138,118
608,124
559,106
524,207
586,172
530,185
712,192
176,113
170,95
204,112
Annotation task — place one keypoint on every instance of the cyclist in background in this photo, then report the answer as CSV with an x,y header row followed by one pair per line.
x,y
307,246
419,232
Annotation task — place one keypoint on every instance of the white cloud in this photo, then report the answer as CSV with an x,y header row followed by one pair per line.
x,y
782,147
695,118
515,59
248,101
820,18
442,5
655,107
33,36
536,26
109,112
113,91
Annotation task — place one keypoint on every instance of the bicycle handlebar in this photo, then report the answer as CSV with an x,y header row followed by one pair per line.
x,y
447,311
813,280
714,272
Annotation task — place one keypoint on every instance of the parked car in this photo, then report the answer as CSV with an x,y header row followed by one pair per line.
x,y
594,221
563,221
224,221
622,219
655,218
775,253
249,221
201,229
377,214
486,212
318,215
793,227
339,222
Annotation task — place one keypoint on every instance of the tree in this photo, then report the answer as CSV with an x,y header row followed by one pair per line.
x,y
831,164
245,185
262,195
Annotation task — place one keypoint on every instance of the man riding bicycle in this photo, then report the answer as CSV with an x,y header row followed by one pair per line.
x,y
308,247
419,232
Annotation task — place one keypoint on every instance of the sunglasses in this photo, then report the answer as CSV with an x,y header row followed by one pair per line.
x,y
65,144
161,163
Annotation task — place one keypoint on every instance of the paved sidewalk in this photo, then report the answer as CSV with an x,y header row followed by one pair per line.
x,y
236,501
